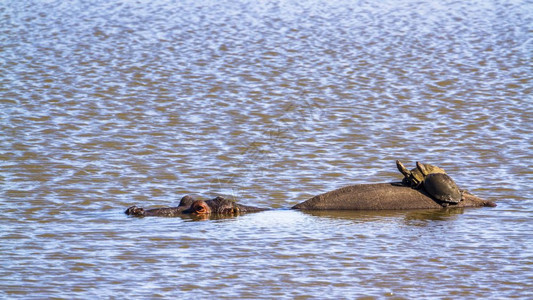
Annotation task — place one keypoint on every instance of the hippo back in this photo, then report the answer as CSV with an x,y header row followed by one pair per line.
x,y
380,196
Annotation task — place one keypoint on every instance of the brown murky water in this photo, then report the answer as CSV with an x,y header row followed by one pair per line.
x,y
106,104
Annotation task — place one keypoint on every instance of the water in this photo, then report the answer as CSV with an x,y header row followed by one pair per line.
x,y
106,104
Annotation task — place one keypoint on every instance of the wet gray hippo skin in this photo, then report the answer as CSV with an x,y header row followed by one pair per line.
x,y
188,205
382,196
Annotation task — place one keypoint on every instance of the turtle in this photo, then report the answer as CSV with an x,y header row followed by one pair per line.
x,y
415,177
439,185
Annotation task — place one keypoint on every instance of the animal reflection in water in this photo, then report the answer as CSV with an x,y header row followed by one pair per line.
x,y
424,187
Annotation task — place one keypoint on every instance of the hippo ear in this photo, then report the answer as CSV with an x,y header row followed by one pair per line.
x,y
186,201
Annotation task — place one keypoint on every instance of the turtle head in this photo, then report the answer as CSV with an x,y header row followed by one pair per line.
x,y
422,168
426,169
402,169
410,178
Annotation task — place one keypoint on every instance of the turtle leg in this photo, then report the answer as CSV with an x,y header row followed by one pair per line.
x,y
463,193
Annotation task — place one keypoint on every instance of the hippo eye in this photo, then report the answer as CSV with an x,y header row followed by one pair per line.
x,y
201,209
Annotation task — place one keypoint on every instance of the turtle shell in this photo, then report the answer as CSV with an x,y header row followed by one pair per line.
x,y
442,187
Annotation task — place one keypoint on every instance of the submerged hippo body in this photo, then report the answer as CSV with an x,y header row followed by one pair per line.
x,y
382,196
189,205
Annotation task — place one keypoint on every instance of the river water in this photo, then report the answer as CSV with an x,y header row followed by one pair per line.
x,y
107,104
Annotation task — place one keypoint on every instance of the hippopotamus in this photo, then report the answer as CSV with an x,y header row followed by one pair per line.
x,y
383,196
376,196
188,205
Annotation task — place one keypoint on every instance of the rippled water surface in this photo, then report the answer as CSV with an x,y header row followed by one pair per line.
x,y
106,104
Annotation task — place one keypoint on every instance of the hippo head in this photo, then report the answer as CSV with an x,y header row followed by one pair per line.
x,y
188,205
218,205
